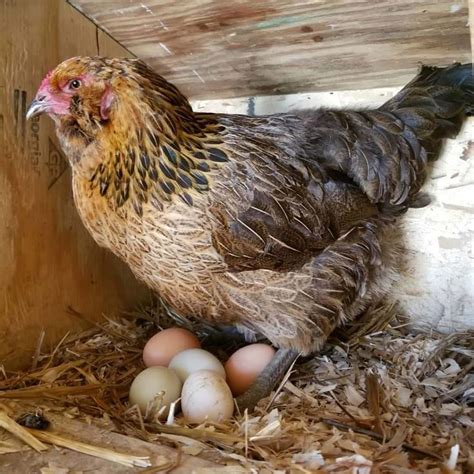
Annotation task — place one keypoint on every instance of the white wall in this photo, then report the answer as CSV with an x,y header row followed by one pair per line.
x,y
438,291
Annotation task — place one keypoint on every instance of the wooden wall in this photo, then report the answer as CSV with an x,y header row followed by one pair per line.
x,y
217,49
50,269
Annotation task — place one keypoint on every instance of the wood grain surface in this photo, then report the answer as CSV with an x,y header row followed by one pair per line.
x,y
53,276
216,49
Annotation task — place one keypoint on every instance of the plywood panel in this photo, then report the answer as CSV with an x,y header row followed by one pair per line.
x,y
49,266
217,49
437,289
62,460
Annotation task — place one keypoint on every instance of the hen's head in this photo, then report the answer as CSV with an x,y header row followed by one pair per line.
x,y
85,94
77,85
117,118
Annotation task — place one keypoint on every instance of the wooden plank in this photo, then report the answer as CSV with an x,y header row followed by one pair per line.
x,y
65,460
216,49
471,24
49,265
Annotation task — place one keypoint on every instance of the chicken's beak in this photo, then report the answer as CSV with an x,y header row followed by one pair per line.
x,y
37,107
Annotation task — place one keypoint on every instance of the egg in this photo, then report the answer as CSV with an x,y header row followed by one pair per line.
x,y
245,365
155,383
191,360
163,346
206,397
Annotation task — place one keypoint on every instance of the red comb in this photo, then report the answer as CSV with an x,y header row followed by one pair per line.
x,y
45,82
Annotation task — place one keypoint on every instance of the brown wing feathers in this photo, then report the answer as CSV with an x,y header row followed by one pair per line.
x,y
381,152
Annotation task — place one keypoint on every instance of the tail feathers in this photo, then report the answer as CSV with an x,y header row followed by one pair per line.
x,y
459,77
435,102
385,152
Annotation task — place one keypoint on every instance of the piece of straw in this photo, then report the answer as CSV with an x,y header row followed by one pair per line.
x,y
98,452
17,430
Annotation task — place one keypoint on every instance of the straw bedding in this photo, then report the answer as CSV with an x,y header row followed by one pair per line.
x,y
378,399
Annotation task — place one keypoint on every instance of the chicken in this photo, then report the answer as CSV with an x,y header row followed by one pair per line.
x,y
282,225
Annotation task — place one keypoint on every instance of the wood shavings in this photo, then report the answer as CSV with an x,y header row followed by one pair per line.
x,y
12,446
310,460
222,470
453,458
357,464
379,400
53,468
353,397
403,397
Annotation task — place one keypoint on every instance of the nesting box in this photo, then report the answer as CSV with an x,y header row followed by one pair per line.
x,y
235,57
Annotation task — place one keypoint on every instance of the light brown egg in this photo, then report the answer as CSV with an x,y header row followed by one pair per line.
x,y
163,346
206,397
154,388
245,365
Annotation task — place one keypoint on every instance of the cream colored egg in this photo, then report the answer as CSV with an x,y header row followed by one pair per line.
x,y
154,388
192,360
206,397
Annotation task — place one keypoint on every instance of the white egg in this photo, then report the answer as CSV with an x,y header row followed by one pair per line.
x,y
192,360
206,397
154,388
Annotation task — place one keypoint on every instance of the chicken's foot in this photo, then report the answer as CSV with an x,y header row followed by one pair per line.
x,y
268,379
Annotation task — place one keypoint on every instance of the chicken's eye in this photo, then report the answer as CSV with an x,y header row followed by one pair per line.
x,y
74,84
